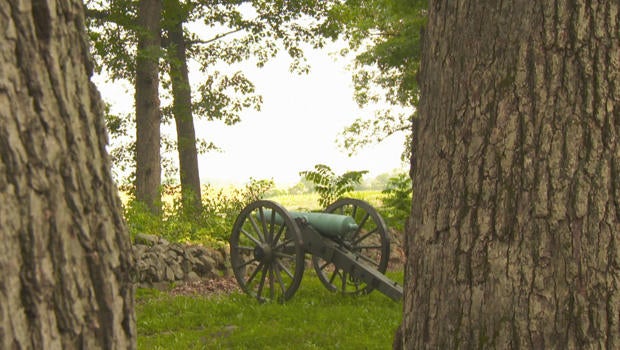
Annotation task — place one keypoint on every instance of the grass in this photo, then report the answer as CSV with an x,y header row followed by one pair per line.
x,y
313,319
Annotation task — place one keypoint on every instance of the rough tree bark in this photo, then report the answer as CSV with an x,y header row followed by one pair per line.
x,y
182,110
64,247
182,107
148,115
516,174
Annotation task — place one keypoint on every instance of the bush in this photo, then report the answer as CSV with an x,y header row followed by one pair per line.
x,y
397,201
328,185
210,226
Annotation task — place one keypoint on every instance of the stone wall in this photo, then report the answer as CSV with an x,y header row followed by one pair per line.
x,y
159,261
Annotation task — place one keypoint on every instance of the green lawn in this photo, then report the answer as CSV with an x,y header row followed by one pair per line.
x,y
313,319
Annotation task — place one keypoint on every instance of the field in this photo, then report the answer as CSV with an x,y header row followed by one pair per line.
x,y
313,319
309,201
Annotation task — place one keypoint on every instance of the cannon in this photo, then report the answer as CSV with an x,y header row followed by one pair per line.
x,y
349,246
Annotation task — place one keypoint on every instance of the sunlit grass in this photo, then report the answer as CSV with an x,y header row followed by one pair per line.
x,y
310,201
313,319
296,202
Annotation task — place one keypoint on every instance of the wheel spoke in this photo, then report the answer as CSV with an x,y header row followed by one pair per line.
x,y
322,267
360,227
284,256
354,211
344,281
246,263
252,238
363,222
276,268
279,234
333,276
356,284
284,244
256,229
360,247
261,284
279,263
263,223
272,287
272,224
356,242
243,247
258,268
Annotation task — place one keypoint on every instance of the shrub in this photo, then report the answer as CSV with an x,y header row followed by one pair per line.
x,y
397,200
328,185
210,226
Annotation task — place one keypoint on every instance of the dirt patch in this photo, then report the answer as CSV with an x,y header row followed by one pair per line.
x,y
219,286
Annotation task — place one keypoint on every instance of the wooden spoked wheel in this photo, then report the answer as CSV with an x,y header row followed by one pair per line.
x,y
370,242
266,252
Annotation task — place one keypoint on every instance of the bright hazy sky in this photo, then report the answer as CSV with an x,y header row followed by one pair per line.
x,y
297,127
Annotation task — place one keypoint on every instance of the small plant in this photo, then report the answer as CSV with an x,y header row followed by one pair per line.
x,y
328,185
140,219
256,189
397,200
210,225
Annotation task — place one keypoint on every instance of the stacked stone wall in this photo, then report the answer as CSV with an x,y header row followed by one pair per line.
x,y
159,261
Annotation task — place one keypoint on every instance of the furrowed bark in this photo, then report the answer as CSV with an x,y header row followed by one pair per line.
x,y
64,248
516,209
148,114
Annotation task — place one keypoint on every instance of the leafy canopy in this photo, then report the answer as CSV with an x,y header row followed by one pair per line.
x,y
218,34
385,34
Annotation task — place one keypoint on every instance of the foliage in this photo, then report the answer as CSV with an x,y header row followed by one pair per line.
x,y
239,322
397,200
210,226
216,33
387,32
328,185
303,186
363,132
123,154
386,36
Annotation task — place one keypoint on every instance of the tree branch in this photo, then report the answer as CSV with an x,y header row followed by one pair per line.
x,y
217,37
107,16
98,14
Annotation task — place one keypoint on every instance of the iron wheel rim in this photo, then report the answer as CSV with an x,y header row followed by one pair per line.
x,y
370,241
266,253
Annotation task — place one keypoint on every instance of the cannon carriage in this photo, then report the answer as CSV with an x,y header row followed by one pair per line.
x,y
349,246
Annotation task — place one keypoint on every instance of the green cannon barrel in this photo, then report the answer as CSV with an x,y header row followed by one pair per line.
x,y
327,224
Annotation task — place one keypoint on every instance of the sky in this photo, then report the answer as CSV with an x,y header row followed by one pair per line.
x,y
297,127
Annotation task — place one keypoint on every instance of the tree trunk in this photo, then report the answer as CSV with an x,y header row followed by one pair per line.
x,y
516,175
64,248
182,110
148,160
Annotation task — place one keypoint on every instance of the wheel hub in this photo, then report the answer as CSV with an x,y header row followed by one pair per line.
x,y
263,253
